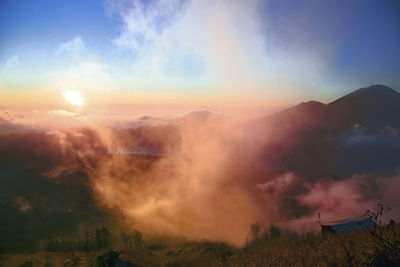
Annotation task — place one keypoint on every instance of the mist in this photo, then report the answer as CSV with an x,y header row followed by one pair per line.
x,y
208,176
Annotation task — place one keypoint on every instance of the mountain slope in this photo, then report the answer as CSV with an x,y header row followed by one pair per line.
x,y
373,107
358,132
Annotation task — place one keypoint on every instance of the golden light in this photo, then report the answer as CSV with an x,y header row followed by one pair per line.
x,y
73,97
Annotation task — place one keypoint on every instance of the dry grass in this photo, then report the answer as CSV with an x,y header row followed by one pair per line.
x,y
374,247
377,247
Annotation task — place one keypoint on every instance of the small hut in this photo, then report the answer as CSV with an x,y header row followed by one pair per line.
x,y
347,225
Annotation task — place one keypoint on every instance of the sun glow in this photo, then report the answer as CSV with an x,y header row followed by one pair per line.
x,y
73,97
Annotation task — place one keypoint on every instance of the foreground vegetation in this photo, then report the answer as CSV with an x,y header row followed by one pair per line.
x,y
379,246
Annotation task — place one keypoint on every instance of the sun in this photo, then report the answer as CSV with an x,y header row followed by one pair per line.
x,y
73,97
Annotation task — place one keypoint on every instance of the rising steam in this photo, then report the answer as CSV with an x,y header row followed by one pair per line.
x,y
201,177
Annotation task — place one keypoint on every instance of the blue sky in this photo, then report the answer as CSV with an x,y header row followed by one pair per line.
x,y
363,35
279,51
44,24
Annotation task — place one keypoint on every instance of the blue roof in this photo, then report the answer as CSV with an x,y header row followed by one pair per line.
x,y
346,226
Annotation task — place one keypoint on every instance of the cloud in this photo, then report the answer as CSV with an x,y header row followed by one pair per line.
x,y
73,47
181,41
181,50
213,46
196,176
81,70
202,187
144,22
157,53
62,113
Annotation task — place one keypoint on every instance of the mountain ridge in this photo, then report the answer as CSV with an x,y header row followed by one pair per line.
x,y
374,107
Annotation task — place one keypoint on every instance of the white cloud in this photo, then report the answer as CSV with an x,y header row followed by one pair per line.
x,y
148,33
145,23
175,41
62,113
73,47
210,43
80,69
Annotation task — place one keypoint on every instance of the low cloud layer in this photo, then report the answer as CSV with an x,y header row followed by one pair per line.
x,y
199,189
205,175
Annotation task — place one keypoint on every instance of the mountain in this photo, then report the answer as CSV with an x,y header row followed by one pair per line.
x,y
358,132
301,119
196,118
373,107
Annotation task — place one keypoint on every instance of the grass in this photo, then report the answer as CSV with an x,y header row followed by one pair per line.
x,y
379,246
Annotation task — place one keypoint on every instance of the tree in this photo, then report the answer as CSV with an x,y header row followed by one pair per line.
x,y
377,214
137,238
127,240
103,238
86,241
275,231
53,245
255,230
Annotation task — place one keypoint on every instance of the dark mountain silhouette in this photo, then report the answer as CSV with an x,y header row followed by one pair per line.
x,y
297,121
373,107
358,132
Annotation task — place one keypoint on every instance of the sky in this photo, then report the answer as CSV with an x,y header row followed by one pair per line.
x,y
251,52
